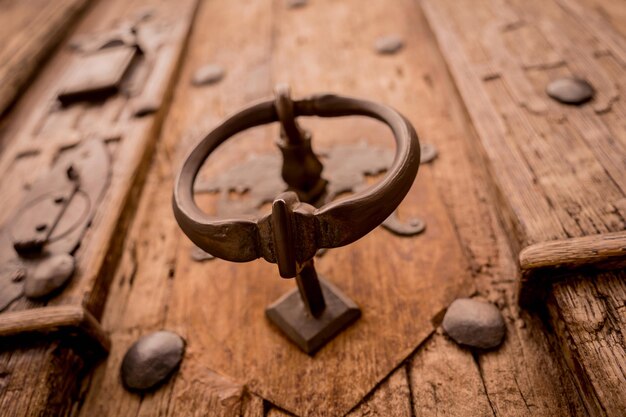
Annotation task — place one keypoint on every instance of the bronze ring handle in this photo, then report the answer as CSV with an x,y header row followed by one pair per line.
x,y
294,231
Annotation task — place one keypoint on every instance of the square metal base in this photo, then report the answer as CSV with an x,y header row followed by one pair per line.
x,y
306,331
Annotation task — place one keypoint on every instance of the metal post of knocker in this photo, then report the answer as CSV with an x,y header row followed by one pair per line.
x,y
295,230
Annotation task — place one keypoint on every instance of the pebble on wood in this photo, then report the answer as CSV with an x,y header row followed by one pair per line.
x,y
474,323
294,4
50,274
151,360
570,90
208,74
388,44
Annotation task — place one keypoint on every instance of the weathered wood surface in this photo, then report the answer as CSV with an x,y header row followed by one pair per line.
x,y
560,172
29,31
157,286
153,291
41,133
42,136
381,273
588,316
39,377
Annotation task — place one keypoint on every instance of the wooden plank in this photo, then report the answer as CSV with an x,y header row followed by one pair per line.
x,y
142,293
588,316
30,31
518,377
560,172
390,398
334,380
43,134
523,148
38,377
445,381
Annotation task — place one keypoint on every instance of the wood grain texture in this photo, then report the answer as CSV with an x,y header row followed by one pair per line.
x,y
38,377
558,171
30,31
518,378
39,131
562,188
446,381
142,296
391,398
607,15
588,316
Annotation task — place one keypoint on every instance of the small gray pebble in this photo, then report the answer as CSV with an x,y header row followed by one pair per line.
x,y
428,153
570,90
152,359
208,74
50,274
388,44
293,4
474,323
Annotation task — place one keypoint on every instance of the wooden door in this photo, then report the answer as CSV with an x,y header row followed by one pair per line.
x,y
522,186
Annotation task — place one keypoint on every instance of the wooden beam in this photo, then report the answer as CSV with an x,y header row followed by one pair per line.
x,y
542,264
53,319
558,171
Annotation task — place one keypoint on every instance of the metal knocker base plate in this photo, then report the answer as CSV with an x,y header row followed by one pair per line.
x,y
308,332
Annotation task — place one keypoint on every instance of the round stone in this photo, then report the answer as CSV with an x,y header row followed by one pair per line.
x,y
152,359
474,323
570,90
388,44
208,74
294,4
50,274
428,152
